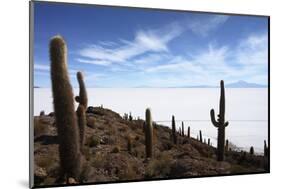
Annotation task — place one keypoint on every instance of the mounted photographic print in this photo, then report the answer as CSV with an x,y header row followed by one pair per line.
x,y
122,94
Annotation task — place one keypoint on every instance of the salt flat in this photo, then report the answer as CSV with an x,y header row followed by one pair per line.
x,y
246,108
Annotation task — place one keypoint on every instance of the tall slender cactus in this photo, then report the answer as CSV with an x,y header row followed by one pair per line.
x,y
188,132
68,137
220,124
265,149
200,135
174,135
182,128
148,133
83,97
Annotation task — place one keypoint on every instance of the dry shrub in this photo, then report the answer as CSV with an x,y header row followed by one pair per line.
x,y
40,128
159,167
93,141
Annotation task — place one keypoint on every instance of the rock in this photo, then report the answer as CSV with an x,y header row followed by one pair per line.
x,y
40,173
90,110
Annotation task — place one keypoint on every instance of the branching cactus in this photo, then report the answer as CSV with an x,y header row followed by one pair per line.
x,y
200,135
188,132
68,136
174,130
148,133
82,98
220,124
81,116
182,128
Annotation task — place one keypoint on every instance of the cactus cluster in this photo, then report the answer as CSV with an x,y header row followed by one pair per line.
x,y
148,133
220,124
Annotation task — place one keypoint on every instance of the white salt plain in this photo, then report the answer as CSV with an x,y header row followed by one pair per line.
x,y
246,109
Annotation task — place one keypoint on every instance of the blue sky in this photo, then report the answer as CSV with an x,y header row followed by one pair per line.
x,y
125,47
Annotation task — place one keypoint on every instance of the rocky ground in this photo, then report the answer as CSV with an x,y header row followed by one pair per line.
x,y
109,158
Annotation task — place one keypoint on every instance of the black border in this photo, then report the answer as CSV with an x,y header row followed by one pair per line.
x,y
31,91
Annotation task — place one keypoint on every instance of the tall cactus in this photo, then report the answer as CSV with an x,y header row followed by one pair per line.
x,y
188,132
209,143
174,135
148,133
220,124
182,128
200,135
82,98
66,122
81,116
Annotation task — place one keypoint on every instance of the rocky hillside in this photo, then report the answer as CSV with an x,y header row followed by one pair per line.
x,y
114,150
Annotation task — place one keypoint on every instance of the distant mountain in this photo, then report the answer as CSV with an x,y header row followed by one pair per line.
x,y
244,84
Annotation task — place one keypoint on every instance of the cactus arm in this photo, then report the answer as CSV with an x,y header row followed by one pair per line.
x,y
213,119
226,124
77,99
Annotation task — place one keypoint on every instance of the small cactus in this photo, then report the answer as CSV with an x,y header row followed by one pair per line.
x,y
220,124
148,133
130,117
42,113
226,145
188,132
252,150
200,135
82,98
265,149
68,136
174,135
182,128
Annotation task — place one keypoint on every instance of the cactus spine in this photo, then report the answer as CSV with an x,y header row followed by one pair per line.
x,y
174,130
82,98
188,132
200,135
220,124
66,122
182,128
148,133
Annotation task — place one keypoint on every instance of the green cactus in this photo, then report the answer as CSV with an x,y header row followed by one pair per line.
x,y
81,116
220,124
174,135
182,128
188,132
68,136
82,98
148,133
200,135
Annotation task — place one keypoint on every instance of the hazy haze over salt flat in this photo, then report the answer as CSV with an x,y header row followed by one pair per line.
x,y
246,109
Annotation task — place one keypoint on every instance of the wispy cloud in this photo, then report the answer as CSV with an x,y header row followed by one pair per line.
x,y
206,25
143,42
